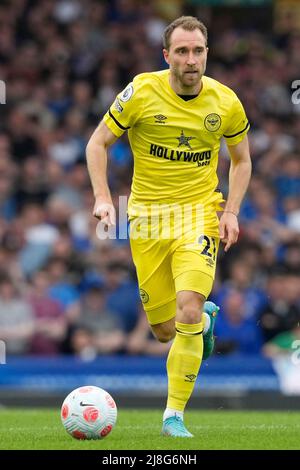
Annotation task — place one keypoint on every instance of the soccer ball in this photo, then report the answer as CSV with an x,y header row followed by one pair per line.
x,y
89,413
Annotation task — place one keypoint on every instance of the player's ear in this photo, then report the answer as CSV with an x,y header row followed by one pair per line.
x,y
166,55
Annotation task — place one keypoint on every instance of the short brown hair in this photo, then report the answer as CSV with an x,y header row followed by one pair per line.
x,y
188,23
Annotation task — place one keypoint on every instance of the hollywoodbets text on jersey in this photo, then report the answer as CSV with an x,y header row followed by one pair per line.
x,y
202,158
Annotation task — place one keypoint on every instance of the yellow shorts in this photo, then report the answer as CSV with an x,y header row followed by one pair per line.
x,y
167,266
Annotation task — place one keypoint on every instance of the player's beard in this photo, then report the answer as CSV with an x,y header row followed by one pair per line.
x,y
189,81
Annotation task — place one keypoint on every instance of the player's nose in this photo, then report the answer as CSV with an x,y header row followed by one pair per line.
x,y
191,59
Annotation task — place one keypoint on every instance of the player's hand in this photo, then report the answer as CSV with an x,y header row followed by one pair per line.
x,y
105,212
229,229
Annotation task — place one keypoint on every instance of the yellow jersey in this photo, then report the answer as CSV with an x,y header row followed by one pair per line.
x,y
175,143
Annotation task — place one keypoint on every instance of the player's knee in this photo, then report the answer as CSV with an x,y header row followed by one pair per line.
x,y
190,315
189,308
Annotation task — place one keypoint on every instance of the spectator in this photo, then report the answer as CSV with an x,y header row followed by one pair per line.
x,y
282,311
241,278
283,344
107,334
50,323
141,340
16,318
122,294
235,333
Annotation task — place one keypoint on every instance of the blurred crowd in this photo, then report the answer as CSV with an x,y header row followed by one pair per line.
x,y
62,290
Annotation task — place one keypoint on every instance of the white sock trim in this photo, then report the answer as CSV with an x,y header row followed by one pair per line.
x,y
169,412
206,322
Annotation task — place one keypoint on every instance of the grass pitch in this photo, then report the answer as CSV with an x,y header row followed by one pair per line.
x,y
140,429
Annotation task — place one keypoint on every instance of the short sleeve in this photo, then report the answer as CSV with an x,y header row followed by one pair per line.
x,y
124,112
238,125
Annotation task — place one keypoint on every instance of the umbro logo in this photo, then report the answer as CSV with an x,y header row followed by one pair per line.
x,y
190,378
160,118
210,263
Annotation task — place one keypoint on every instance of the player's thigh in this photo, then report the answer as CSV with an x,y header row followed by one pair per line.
x,y
152,260
194,264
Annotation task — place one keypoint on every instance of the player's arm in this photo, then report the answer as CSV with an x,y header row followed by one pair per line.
x,y
120,117
96,155
239,177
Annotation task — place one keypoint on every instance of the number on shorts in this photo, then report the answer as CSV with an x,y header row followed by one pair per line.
x,y
207,246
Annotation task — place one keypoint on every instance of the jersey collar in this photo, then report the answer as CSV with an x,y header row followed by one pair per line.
x,y
181,100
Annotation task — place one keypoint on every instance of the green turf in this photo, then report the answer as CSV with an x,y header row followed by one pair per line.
x,y
140,429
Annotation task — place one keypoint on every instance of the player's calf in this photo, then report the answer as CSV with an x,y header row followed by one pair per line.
x,y
164,332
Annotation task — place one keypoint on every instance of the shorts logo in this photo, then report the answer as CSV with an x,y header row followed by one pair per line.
x,y
127,94
190,378
209,263
144,296
212,122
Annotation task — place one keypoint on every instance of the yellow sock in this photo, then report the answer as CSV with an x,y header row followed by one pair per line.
x,y
183,363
